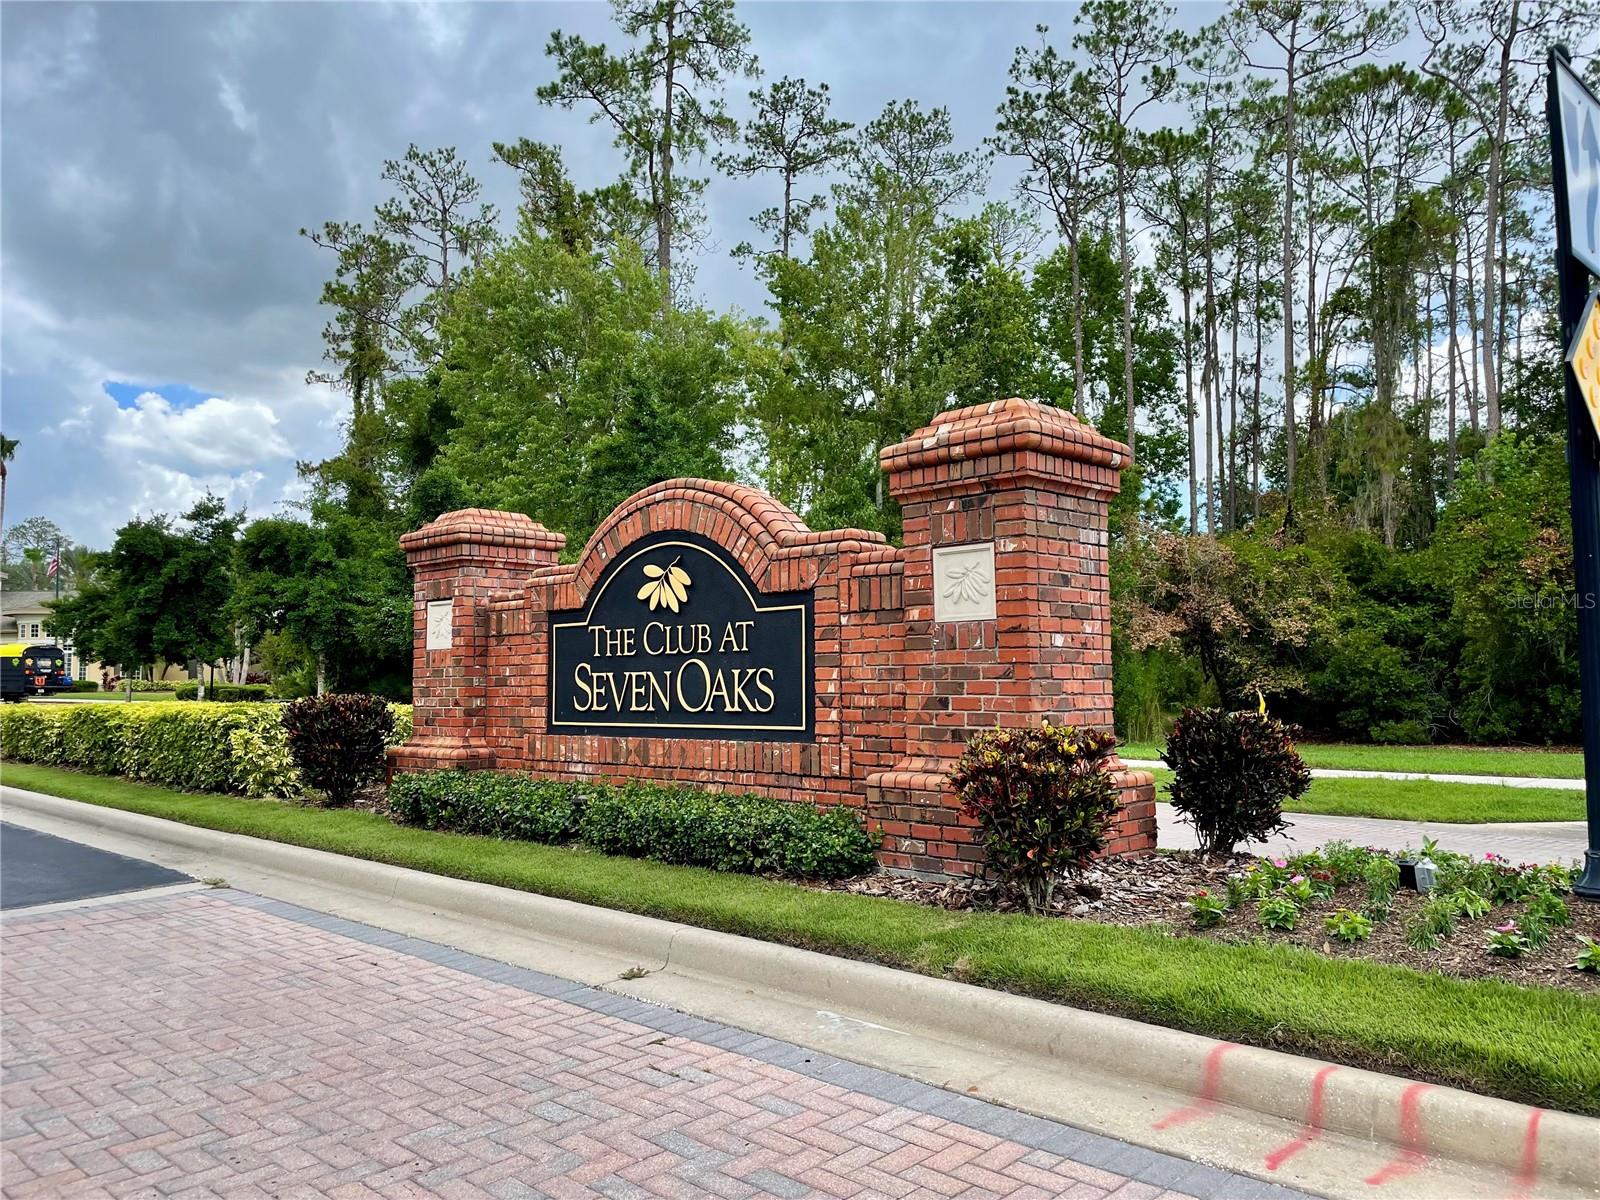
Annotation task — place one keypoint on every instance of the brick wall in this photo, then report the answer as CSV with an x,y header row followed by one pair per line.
x,y
897,693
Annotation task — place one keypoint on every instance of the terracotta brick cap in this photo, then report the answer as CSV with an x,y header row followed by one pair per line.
x,y
482,527
1002,427
772,525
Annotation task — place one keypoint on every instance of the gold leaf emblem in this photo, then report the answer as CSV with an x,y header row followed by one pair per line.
x,y
665,587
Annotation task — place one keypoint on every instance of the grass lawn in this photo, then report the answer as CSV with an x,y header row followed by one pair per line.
x,y
1422,800
1433,760
105,697
1537,1045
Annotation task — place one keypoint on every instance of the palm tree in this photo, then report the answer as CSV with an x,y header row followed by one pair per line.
x,y
8,451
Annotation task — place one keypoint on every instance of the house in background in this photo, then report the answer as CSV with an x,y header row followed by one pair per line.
x,y
24,618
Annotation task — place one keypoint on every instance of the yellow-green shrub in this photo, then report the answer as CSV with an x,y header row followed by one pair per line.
x,y
196,747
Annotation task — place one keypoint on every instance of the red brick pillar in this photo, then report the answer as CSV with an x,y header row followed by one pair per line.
x,y
1007,607
458,562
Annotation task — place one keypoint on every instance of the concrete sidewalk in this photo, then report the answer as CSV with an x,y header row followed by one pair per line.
x,y
1533,841
1513,781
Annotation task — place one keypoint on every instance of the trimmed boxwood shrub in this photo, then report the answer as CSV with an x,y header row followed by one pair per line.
x,y
84,685
747,833
338,741
1231,773
1043,799
743,833
197,747
487,802
223,693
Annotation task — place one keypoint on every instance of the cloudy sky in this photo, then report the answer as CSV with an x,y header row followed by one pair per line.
x,y
159,308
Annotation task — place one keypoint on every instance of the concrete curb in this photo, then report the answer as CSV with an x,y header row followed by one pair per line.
x,y
1419,1121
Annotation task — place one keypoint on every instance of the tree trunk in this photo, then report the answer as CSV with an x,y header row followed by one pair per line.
x,y
1255,401
1472,335
664,211
1188,399
1491,204
1233,397
1127,308
322,674
1452,317
788,206
1078,401
1288,266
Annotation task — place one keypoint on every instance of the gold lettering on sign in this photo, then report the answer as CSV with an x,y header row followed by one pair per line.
x,y
660,667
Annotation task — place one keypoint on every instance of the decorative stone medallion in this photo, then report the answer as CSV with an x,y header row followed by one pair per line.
x,y
441,625
963,582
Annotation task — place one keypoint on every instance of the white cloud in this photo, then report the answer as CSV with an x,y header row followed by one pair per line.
x,y
228,96
218,433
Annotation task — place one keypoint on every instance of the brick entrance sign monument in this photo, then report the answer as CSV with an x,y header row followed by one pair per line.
x,y
706,636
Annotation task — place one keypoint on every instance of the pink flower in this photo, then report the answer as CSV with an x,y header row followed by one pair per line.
x,y
1297,879
1508,927
1278,862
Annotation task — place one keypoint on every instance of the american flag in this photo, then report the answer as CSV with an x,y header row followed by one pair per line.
x,y
54,568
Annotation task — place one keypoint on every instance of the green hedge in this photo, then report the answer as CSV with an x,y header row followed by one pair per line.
x,y
744,833
224,693
194,747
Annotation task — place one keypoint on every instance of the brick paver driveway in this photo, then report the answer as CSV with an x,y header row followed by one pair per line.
x,y
218,1044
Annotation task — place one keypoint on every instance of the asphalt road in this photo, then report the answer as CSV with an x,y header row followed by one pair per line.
x,y
36,868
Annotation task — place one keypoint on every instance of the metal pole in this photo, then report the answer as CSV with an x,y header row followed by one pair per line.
x,y
1583,463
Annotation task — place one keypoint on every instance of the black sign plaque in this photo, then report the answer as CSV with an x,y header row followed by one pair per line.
x,y
677,642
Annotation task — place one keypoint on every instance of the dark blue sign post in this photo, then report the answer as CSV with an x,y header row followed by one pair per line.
x,y
1574,116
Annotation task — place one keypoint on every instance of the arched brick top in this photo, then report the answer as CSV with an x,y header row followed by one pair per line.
x,y
482,527
775,546
1004,429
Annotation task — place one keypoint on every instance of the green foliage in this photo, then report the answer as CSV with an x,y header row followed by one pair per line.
x,y
488,802
1347,926
1420,934
1206,910
1508,941
223,692
1043,800
1504,547
1232,772
1470,904
1588,958
622,393
197,747
338,741
161,592
1548,909
1438,915
1383,880
1535,931
746,833
177,745
1278,912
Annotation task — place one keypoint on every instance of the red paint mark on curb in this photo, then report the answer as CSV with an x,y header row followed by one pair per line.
x,y
1206,1097
1528,1172
1312,1129
1412,1155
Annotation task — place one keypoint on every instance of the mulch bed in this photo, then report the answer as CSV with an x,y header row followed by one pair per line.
x,y
1154,891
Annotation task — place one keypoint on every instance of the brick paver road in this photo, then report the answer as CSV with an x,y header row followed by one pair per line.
x,y
217,1044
